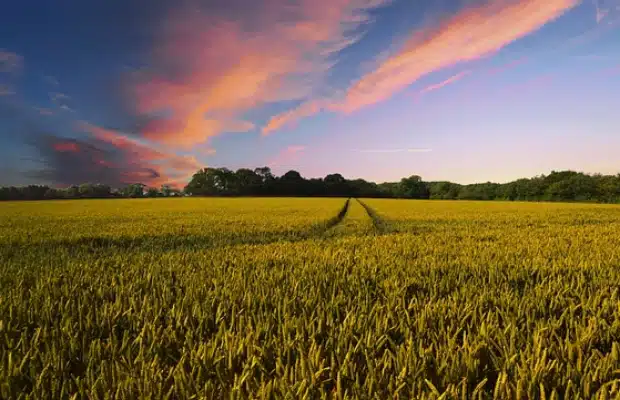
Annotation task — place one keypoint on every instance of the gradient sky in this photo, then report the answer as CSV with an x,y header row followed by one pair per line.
x,y
462,90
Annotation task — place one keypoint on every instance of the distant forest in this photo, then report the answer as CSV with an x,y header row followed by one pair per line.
x,y
557,186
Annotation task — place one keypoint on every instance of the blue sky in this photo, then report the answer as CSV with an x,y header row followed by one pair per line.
x,y
150,91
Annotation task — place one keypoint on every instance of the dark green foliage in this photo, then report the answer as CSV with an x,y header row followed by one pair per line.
x,y
557,186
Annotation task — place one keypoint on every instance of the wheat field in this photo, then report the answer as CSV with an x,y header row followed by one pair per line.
x,y
309,299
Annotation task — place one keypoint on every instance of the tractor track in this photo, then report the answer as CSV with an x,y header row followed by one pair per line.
x,y
381,225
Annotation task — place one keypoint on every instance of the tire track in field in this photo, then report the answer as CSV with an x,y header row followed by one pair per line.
x,y
332,222
381,225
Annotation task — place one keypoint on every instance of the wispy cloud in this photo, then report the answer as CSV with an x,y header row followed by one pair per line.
x,y
412,150
305,110
223,68
472,34
444,83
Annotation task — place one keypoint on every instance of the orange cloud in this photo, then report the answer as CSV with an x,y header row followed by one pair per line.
x,y
223,67
305,110
469,36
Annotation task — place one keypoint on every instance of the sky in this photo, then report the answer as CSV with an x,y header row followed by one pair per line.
x,y
151,91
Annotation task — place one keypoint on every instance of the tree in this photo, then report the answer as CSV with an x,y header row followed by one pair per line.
x,y
264,173
203,183
413,188
362,188
608,188
225,181
291,184
248,182
443,190
336,185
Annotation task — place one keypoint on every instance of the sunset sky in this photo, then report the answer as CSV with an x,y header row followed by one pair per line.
x,y
150,91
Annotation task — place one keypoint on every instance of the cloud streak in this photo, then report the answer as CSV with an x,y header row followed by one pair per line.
x,y
209,70
444,83
305,110
471,35
413,150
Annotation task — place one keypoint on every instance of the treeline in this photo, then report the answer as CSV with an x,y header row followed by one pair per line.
x,y
84,191
557,186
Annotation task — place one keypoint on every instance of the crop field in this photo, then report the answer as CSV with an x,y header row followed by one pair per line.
x,y
308,299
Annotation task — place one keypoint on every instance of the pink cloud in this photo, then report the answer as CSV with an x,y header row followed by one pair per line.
x,y
470,35
143,159
446,82
286,118
225,66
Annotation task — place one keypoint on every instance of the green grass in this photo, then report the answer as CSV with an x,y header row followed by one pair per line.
x,y
272,298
